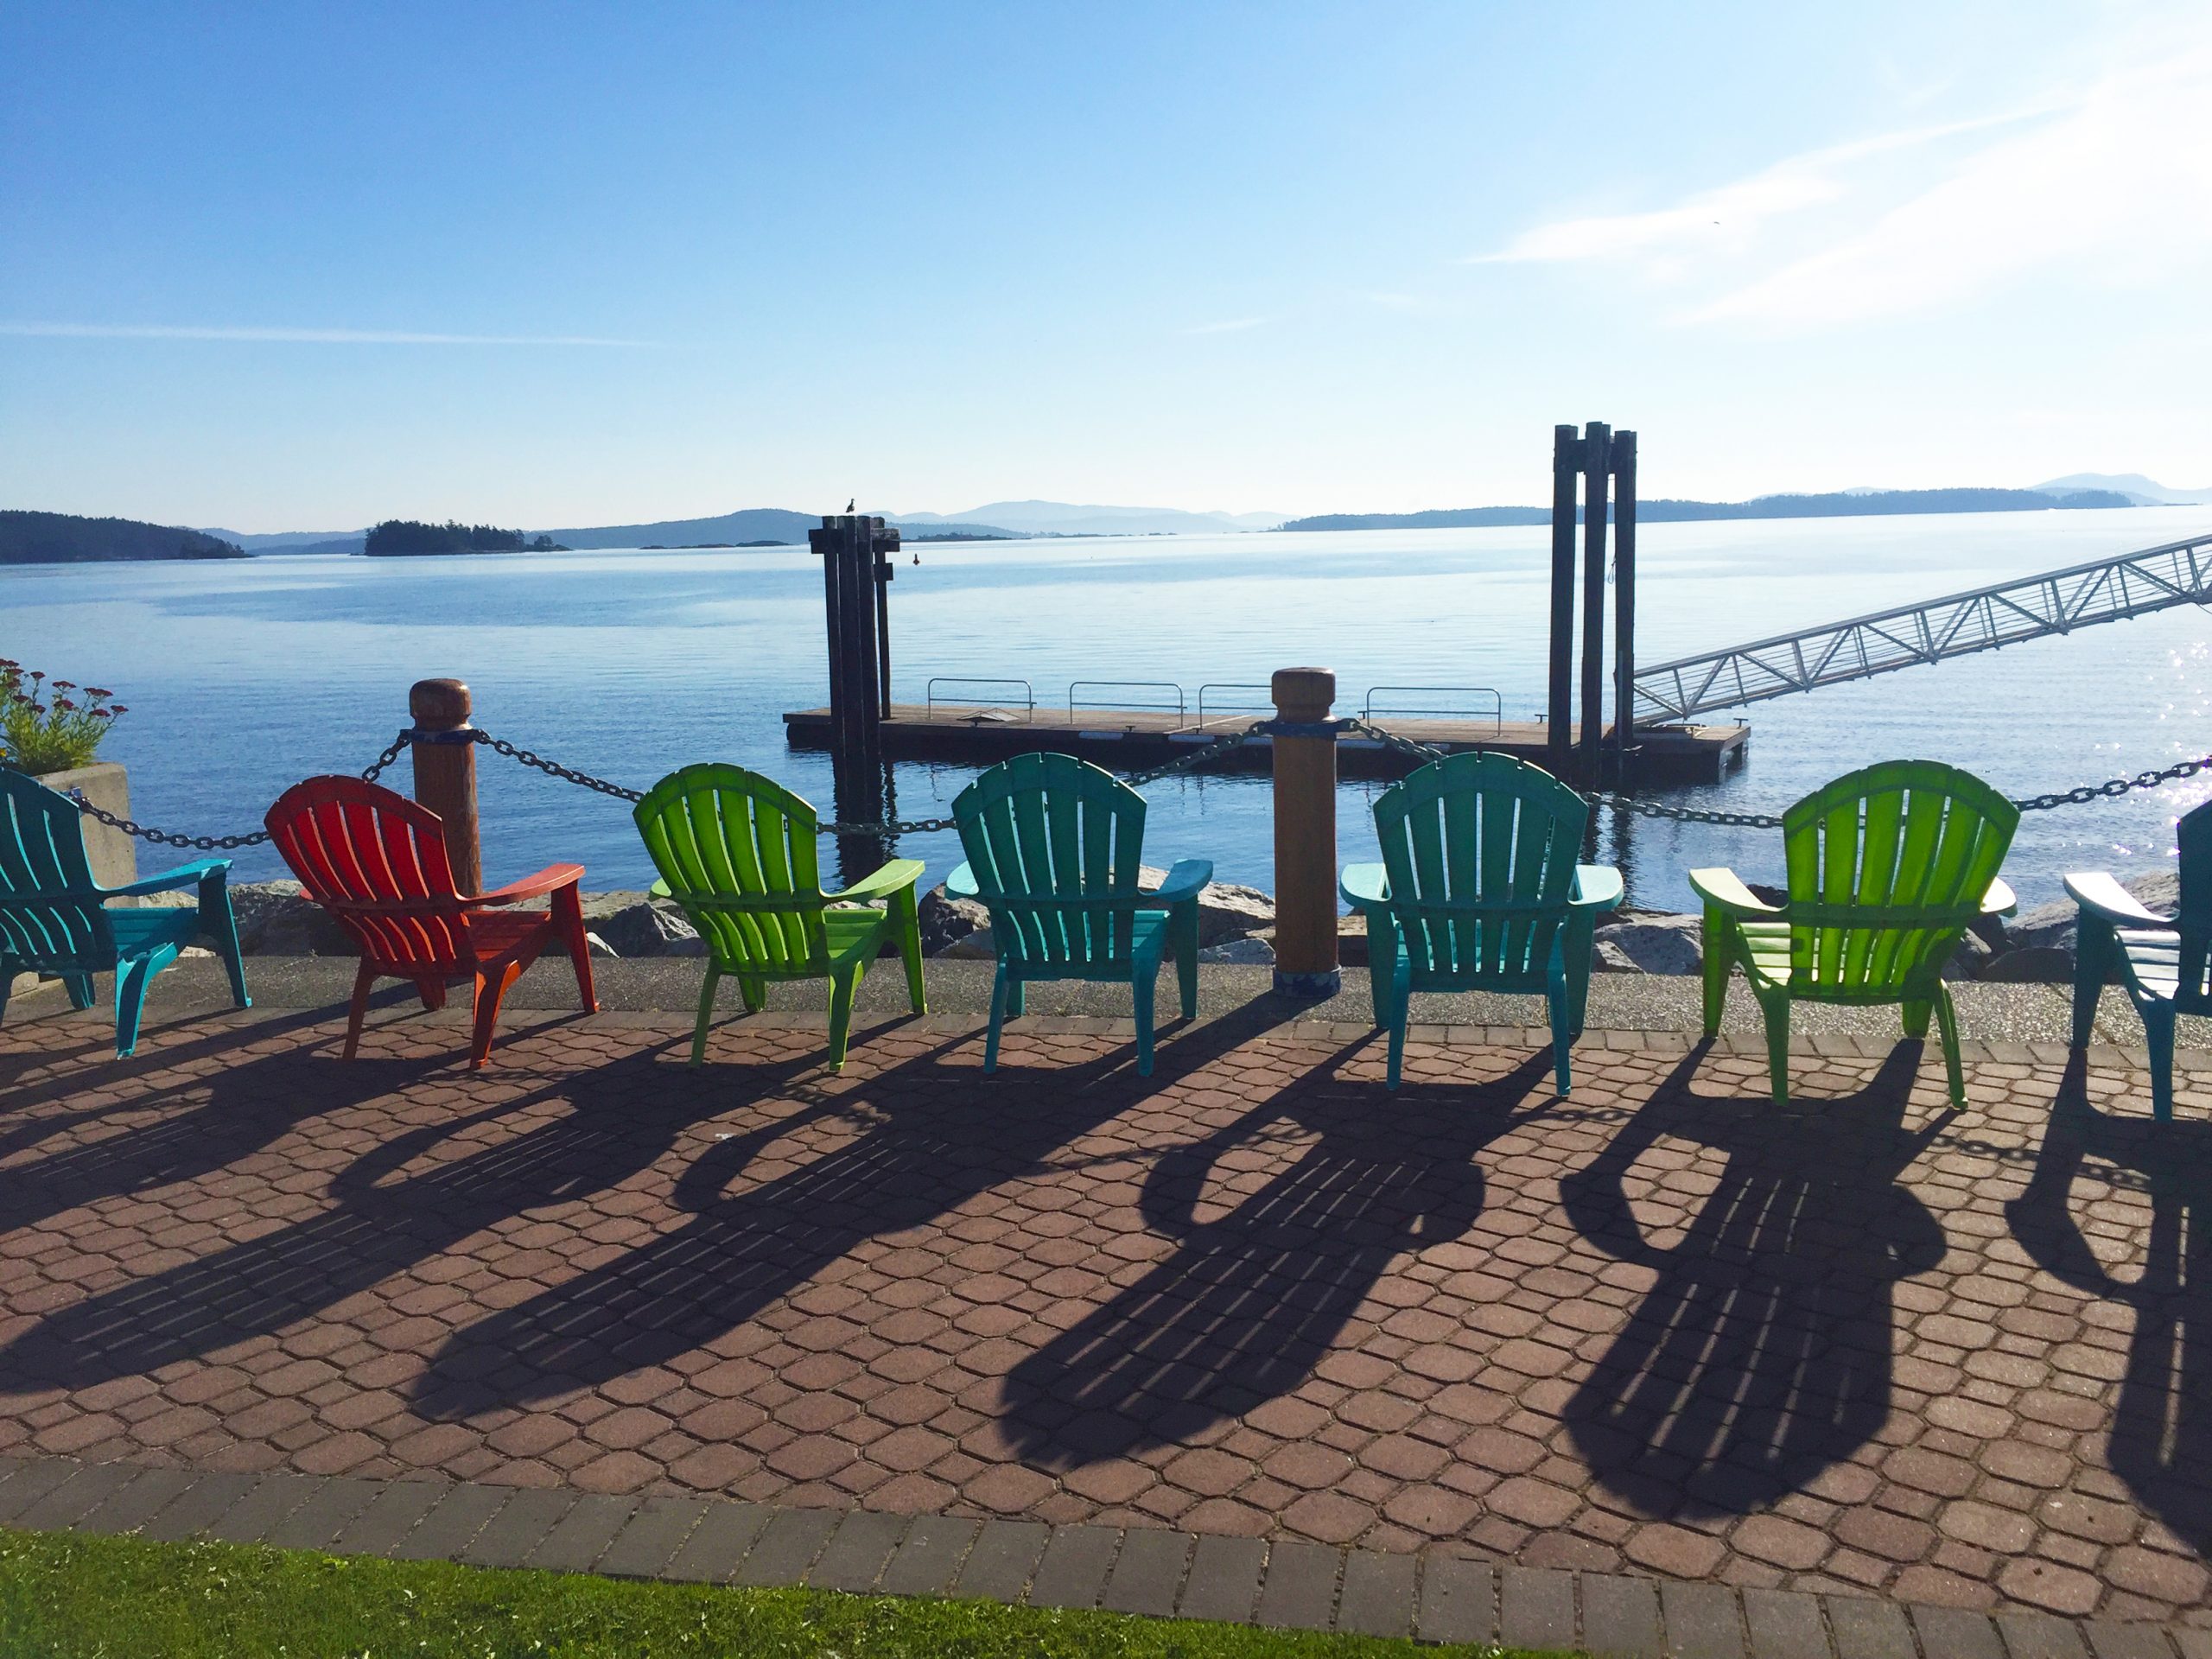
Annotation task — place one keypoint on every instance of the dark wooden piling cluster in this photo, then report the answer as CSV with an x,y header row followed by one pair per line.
x,y
1603,462
856,552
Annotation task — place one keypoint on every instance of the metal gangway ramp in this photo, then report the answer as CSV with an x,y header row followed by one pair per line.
x,y
1959,624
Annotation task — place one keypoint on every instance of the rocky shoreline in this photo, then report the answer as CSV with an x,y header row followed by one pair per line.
x,y
1236,925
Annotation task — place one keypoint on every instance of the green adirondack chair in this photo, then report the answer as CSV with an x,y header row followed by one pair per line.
x,y
1054,844
2161,960
1478,891
1886,867
736,851
55,919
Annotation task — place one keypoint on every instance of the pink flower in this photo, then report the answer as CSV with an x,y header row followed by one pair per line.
x,y
99,691
65,685
118,709
63,706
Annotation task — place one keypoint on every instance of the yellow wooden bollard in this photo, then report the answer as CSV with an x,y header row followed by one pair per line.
x,y
1306,836
445,772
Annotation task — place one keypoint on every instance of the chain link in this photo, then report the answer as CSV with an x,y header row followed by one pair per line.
x,y
2079,795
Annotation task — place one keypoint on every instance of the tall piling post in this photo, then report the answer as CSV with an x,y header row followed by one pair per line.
x,y
1305,833
857,626
1567,468
1597,449
1624,605
443,748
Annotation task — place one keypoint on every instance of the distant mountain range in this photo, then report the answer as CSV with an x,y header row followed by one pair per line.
x,y
2143,491
1837,504
1062,518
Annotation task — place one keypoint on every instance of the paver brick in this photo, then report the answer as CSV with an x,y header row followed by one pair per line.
x,y
719,1542
1957,1633
1378,1597
1004,1555
146,1496
1224,1582
1785,1624
448,1529
1866,1629
1458,1601
651,1537
786,1547
1535,1607
857,1551
1299,1589
1704,1621
1664,1327
244,1515
329,1507
88,1486
1072,1571
1620,1615
928,1558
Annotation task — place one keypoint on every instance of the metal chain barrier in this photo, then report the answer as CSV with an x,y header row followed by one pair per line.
x,y
2080,795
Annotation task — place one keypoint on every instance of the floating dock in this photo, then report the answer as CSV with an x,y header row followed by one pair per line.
x,y
1130,740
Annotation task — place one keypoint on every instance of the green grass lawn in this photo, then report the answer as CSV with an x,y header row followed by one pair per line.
x,y
75,1596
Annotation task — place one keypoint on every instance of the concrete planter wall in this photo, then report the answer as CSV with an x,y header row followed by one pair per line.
x,y
114,855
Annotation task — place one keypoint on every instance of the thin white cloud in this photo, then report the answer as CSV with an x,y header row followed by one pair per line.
x,y
1724,219
294,336
1234,326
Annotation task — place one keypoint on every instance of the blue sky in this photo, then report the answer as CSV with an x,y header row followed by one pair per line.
x,y
308,266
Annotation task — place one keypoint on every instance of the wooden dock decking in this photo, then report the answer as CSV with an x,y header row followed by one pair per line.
x,y
1130,740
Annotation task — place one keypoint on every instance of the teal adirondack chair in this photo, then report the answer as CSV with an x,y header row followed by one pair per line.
x,y
1054,844
737,852
55,919
2161,960
1478,891
1887,866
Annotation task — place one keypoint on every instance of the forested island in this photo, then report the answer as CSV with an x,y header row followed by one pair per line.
x,y
1842,504
407,537
63,538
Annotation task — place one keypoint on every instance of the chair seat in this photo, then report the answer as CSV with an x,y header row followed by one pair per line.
x,y
492,934
140,931
1768,945
2153,960
1148,942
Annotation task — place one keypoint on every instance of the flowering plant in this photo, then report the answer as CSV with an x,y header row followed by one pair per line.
x,y
51,725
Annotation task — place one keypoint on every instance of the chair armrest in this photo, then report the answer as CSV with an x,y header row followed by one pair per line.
x,y
880,883
2000,900
2108,901
1597,886
1184,882
1723,887
961,884
551,879
184,876
1364,884
660,889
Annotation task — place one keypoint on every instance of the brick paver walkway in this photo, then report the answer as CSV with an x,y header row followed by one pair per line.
x,y
1865,1345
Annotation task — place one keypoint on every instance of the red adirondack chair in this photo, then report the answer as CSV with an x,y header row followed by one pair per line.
x,y
376,861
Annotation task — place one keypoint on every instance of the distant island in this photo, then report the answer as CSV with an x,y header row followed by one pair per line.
x,y
1840,503
63,538
407,538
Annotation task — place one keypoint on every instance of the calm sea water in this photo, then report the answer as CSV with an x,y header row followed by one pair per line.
x,y
243,676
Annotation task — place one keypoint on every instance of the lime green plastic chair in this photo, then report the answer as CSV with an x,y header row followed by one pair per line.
x,y
2165,962
1887,866
1053,846
1478,891
55,919
736,851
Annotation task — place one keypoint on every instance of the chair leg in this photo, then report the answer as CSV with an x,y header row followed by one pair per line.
x,y
999,989
8,972
1017,999
432,992
706,1013
492,987
1946,1028
1776,1012
1185,924
2158,1033
908,925
844,982
358,1010
1381,958
129,1002
1715,940
220,923
569,923
1401,998
80,987
1563,1036
1915,1012
2095,950
1144,988
754,990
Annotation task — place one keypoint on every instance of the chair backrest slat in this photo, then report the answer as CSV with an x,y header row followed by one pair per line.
x,y
51,918
1055,845
1480,851
737,851
1885,866
376,861
2193,840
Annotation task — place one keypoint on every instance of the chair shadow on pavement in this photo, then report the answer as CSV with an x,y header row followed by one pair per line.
x,y
1252,1301
384,1222
2161,1442
931,1139
1762,1354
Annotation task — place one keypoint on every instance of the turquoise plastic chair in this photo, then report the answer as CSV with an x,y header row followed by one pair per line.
x,y
1478,891
2162,961
56,920
1054,845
